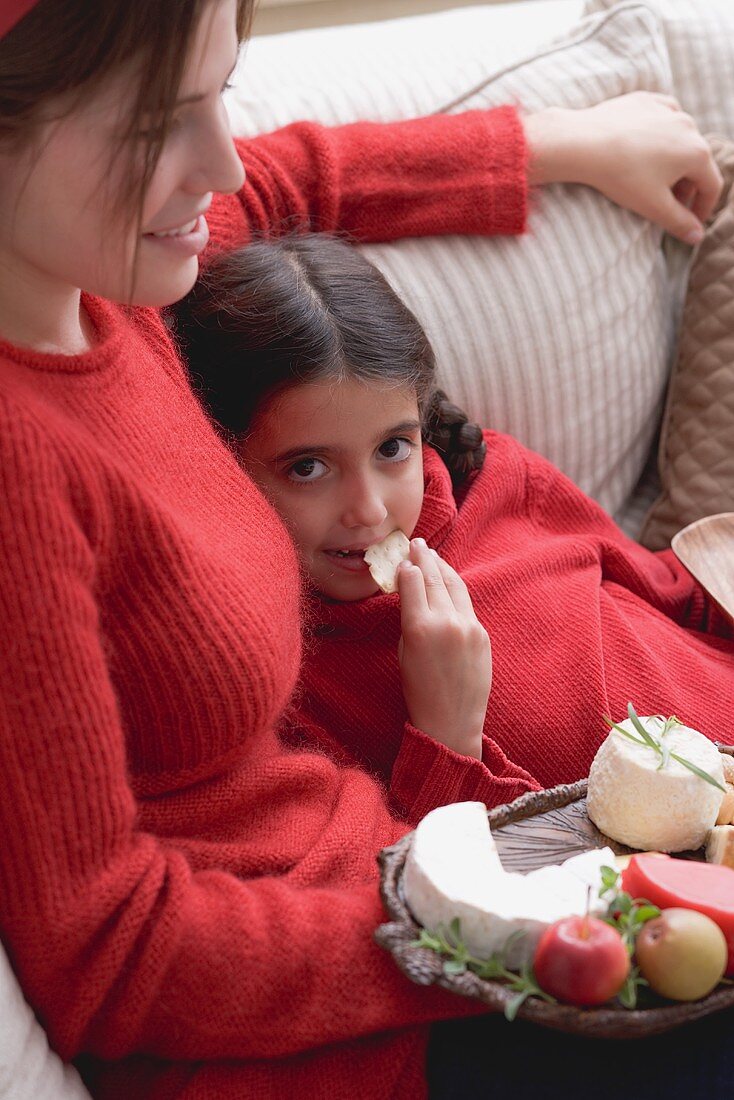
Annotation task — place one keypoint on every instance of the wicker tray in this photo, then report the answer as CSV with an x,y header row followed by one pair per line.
x,y
538,828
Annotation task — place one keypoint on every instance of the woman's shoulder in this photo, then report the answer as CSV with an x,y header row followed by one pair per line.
x,y
33,467
126,338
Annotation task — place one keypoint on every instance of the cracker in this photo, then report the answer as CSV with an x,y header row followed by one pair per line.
x,y
384,557
728,765
720,845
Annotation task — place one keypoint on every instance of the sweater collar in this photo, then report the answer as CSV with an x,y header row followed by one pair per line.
x,y
437,517
109,323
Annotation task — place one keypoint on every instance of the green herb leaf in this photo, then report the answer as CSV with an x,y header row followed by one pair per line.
x,y
448,942
622,902
514,1005
491,969
455,929
427,939
642,729
609,879
646,738
646,913
628,993
624,732
698,771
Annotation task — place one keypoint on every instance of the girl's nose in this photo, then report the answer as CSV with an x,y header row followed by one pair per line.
x,y
363,507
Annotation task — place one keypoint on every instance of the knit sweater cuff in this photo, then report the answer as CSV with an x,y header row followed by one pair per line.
x,y
443,174
427,774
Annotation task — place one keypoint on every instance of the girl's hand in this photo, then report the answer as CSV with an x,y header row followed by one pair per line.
x,y
445,654
640,150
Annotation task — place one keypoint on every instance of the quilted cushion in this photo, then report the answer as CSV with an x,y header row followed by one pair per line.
x,y
696,455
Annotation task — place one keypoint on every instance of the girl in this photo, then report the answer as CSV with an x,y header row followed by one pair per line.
x,y
326,381
169,875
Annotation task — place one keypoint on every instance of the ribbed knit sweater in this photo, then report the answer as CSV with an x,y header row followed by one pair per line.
x,y
186,903
582,620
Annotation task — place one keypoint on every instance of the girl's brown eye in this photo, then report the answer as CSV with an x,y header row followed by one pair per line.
x,y
395,449
306,469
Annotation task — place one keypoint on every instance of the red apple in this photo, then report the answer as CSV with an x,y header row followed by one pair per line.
x,y
582,961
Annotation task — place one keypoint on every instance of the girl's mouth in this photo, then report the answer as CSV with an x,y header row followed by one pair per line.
x,y
351,560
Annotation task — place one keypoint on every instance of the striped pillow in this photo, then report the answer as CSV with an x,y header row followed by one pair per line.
x,y
562,338
700,40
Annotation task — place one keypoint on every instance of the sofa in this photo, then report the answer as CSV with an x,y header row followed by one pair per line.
x,y
564,338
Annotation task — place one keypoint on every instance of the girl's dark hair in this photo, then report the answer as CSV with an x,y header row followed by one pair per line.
x,y
62,51
304,309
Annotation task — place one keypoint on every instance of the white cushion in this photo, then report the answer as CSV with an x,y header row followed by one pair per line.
x,y
562,338
401,68
29,1069
700,40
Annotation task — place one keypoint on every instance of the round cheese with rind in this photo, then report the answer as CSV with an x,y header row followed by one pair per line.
x,y
453,870
665,809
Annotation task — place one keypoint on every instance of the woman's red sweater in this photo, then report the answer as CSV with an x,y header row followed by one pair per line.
x,y
189,905
582,620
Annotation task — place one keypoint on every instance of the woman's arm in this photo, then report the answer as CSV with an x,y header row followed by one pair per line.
x,y
121,944
443,174
640,150
469,173
426,773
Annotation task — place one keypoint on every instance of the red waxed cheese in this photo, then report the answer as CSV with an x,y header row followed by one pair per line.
x,y
687,884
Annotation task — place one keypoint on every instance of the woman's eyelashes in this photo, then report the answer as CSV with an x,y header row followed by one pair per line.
x,y
155,128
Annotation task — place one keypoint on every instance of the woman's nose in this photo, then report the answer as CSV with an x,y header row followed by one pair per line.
x,y
219,167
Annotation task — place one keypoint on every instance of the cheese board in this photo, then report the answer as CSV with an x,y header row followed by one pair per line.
x,y
538,829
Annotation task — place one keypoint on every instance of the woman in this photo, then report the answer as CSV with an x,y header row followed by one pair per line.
x,y
185,904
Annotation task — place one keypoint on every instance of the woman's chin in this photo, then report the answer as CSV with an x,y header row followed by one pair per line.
x,y
163,288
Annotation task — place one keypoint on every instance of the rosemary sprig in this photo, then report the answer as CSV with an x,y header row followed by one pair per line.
x,y
628,915
448,942
649,741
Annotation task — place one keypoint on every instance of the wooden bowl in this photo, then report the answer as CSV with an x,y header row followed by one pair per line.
x,y
706,548
536,829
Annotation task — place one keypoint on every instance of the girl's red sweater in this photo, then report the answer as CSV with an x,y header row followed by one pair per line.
x,y
582,620
187,903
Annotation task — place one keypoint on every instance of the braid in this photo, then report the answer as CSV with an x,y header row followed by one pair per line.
x,y
459,442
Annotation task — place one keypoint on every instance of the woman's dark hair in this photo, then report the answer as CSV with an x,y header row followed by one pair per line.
x,y
304,309
63,50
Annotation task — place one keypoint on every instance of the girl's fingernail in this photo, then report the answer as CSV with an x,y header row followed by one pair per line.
x,y
694,237
419,542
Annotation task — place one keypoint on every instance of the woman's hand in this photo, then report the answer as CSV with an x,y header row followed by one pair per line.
x,y
445,654
640,150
